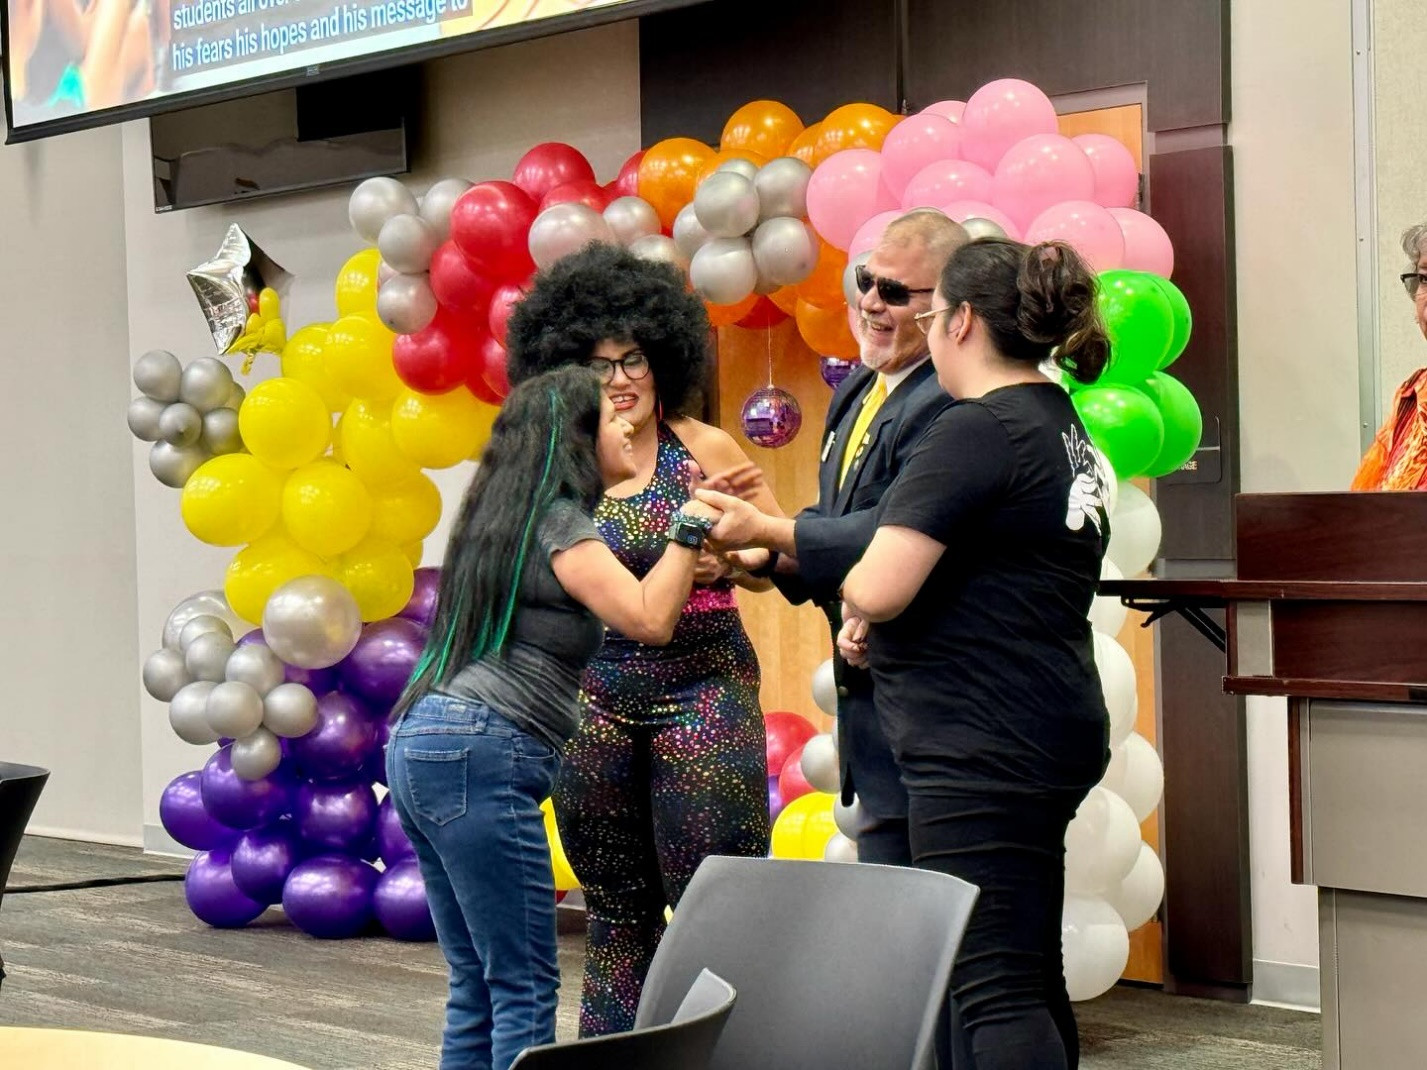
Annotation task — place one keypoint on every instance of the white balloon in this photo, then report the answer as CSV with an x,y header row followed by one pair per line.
x,y
1136,775
825,688
840,849
1107,612
1110,479
849,818
1139,895
1135,531
1101,843
1117,680
374,202
1096,946
820,765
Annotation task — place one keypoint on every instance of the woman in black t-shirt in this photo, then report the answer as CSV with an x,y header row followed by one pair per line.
x,y
970,608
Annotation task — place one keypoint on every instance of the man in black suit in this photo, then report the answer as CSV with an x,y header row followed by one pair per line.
x,y
875,418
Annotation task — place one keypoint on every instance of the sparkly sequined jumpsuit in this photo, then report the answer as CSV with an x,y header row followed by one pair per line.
x,y
669,763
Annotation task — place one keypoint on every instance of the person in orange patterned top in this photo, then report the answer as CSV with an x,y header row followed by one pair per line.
x,y
1397,459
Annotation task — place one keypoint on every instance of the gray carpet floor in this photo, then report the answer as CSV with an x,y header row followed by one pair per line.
x,y
133,959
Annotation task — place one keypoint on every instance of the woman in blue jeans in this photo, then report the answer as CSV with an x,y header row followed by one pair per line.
x,y
526,590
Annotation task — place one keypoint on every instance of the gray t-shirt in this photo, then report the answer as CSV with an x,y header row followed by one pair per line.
x,y
535,680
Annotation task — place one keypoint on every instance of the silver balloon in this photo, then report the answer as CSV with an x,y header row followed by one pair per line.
x,y
220,431
739,166
206,384
726,204
436,205
631,218
563,229
407,243
406,304
165,674
849,278
157,375
849,818
234,709
212,603
290,710
256,666
255,755
662,249
374,202
819,764
207,656
172,465
976,227
839,849
385,271
312,622
723,271
144,414
785,250
689,233
235,397
782,186
203,624
180,424
187,713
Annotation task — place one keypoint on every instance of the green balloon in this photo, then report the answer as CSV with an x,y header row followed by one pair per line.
x,y
1124,424
1183,319
1140,323
1183,423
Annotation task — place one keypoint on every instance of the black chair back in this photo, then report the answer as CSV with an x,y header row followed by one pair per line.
x,y
20,787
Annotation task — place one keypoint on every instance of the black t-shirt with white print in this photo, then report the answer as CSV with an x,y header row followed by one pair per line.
x,y
987,680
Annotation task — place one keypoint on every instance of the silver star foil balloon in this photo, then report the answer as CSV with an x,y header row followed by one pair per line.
x,y
227,286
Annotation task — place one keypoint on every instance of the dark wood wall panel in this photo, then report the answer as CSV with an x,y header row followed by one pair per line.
x,y
1322,536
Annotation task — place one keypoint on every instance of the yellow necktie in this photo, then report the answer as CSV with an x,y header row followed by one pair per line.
x,y
858,439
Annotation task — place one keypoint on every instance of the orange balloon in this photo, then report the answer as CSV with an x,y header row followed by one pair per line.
x,y
826,330
721,157
728,315
805,144
853,126
786,299
824,285
668,174
764,126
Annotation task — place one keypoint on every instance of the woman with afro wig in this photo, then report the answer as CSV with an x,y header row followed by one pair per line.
x,y
669,763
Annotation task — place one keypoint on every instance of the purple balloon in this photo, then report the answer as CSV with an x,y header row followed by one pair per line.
x,y
245,804
400,903
212,894
391,838
339,746
422,606
330,896
834,370
262,860
381,663
320,681
775,798
375,769
182,814
336,817
771,417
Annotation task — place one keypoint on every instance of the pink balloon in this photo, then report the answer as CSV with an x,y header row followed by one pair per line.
x,y
845,191
1088,228
947,180
1147,246
870,233
1117,179
915,142
961,211
1038,172
950,109
1001,113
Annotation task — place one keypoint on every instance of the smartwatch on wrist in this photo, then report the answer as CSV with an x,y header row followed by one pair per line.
x,y
689,530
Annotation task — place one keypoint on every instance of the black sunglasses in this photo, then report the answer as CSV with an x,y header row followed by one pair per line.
x,y
1414,281
892,292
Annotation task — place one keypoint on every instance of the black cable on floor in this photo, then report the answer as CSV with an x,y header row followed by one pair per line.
x,y
97,882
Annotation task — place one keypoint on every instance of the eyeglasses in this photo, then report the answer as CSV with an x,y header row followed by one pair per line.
x,y
892,292
924,320
635,365
1413,281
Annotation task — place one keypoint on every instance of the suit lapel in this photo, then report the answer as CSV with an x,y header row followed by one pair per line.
x,y
889,411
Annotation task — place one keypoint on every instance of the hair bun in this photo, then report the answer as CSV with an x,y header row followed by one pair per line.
x,y
1054,296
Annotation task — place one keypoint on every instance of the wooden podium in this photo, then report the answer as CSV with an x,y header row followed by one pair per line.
x,y
1329,609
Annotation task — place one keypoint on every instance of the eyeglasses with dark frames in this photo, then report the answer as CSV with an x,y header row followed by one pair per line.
x,y
893,292
1413,281
635,365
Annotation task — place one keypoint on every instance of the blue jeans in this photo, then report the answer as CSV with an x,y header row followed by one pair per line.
x,y
467,785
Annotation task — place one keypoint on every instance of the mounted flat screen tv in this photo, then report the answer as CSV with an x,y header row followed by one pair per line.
x,y
70,64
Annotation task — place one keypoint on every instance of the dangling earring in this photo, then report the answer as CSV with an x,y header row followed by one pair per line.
x,y
658,410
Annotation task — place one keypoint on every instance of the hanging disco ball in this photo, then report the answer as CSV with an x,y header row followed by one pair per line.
x,y
834,370
771,417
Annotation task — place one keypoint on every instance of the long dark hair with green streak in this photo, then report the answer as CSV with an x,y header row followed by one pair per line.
x,y
542,449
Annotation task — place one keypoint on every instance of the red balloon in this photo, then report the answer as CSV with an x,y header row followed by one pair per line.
x,y
764,314
791,782
457,283
587,192
786,732
436,358
503,303
490,363
551,164
490,223
627,182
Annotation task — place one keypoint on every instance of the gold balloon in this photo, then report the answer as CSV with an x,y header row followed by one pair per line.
x,y
380,577
285,423
441,430
258,570
326,508
231,500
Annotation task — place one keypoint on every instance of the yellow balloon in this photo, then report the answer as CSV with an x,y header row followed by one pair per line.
x,y
358,354
285,423
407,512
258,570
268,304
304,358
326,508
356,289
415,552
441,430
804,827
565,879
379,576
369,449
231,500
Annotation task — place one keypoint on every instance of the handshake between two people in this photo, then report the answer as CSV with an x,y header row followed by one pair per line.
x,y
733,544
